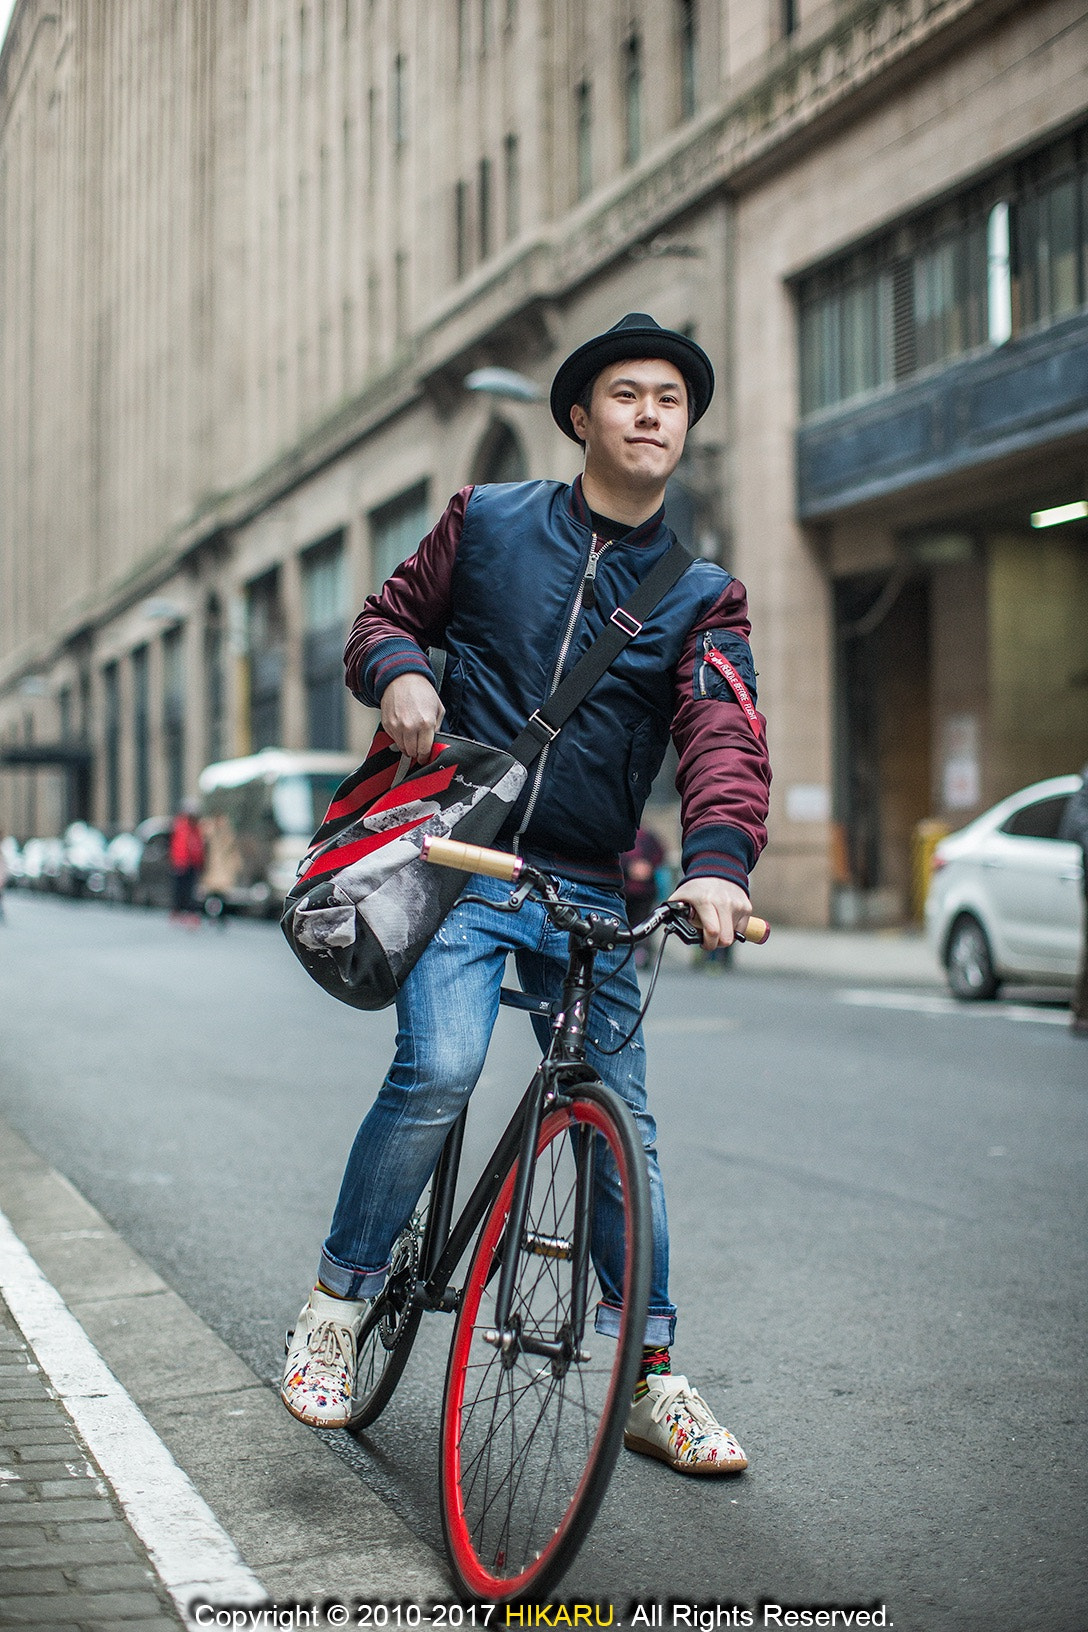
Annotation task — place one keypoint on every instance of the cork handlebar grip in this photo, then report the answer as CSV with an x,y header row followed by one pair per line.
x,y
757,930
472,858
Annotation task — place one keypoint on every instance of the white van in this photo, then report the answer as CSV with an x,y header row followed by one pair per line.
x,y
259,815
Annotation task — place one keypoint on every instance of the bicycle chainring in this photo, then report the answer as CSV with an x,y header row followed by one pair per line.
x,y
399,1292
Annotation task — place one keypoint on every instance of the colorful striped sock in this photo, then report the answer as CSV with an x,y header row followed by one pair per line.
x,y
655,1361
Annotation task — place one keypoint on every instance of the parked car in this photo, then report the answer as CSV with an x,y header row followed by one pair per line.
x,y
1006,895
123,854
83,864
42,860
13,859
153,885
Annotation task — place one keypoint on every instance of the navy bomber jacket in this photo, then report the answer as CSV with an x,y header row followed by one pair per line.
x,y
498,585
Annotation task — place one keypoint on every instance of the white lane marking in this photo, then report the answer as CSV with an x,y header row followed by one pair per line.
x,y
931,1003
194,1557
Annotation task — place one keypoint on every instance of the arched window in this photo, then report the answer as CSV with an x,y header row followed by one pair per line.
x,y
501,457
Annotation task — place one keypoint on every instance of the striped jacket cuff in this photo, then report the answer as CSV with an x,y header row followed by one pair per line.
x,y
718,852
387,660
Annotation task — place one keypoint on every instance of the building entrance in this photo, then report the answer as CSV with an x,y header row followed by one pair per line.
x,y
883,746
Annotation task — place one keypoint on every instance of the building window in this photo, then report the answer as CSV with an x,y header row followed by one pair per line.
x,y
583,125
141,733
949,297
846,334
883,315
111,743
265,639
790,16
1007,257
372,142
632,99
1052,249
400,101
512,184
215,682
483,209
686,41
324,601
395,530
464,36
400,293
501,457
460,228
173,715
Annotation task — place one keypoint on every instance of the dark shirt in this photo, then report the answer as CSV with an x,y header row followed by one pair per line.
x,y
606,529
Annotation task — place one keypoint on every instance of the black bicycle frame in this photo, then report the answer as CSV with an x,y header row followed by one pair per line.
x,y
445,1242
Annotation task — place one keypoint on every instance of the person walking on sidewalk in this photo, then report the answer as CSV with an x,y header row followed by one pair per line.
x,y
186,860
514,583
642,866
1074,825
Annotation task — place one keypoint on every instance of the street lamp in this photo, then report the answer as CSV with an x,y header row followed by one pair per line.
x,y
503,382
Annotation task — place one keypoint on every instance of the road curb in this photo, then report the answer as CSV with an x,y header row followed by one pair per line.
x,y
304,1523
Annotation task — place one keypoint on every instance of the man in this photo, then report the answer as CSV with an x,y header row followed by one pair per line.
x,y
514,583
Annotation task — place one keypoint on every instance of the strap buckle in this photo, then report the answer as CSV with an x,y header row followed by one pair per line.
x,y
623,620
536,718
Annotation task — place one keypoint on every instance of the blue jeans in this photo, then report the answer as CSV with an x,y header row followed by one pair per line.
x,y
446,1012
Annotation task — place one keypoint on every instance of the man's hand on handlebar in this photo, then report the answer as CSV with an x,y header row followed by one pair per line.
x,y
721,908
412,711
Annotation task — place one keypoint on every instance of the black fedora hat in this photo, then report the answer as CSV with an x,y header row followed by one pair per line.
x,y
636,335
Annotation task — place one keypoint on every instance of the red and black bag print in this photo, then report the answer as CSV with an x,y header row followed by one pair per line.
x,y
366,903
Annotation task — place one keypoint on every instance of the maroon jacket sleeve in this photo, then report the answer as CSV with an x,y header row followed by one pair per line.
x,y
724,773
391,634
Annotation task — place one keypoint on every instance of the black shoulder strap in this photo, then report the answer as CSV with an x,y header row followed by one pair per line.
x,y
622,627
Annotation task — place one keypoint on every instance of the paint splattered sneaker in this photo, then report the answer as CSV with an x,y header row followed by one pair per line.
x,y
675,1424
319,1375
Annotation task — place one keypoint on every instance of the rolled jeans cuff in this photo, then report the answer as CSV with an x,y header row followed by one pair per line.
x,y
660,1324
348,1282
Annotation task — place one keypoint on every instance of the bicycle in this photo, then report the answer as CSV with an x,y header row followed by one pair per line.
x,y
533,1411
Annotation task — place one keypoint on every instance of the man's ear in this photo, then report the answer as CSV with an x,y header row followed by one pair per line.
x,y
579,419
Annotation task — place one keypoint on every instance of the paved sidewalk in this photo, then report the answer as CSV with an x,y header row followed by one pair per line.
x,y
897,957
891,957
306,1527
68,1557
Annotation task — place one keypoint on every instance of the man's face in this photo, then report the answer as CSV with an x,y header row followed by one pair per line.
x,y
637,423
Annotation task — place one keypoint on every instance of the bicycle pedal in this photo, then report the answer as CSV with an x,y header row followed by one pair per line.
x,y
548,1246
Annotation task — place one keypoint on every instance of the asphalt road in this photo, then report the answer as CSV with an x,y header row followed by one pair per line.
x,y
879,1245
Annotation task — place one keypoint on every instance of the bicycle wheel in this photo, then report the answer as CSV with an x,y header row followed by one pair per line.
x,y
529,1442
388,1331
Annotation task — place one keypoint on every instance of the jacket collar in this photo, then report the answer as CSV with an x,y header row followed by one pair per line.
x,y
644,533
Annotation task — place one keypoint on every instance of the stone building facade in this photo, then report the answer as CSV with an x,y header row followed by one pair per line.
x,y
252,251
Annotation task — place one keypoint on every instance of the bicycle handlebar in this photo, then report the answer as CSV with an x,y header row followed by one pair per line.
x,y
474,858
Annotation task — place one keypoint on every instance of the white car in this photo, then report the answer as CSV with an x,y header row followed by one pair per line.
x,y
1006,895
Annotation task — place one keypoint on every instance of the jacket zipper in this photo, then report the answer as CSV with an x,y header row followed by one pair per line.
x,y
595,552
589,593
707,644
